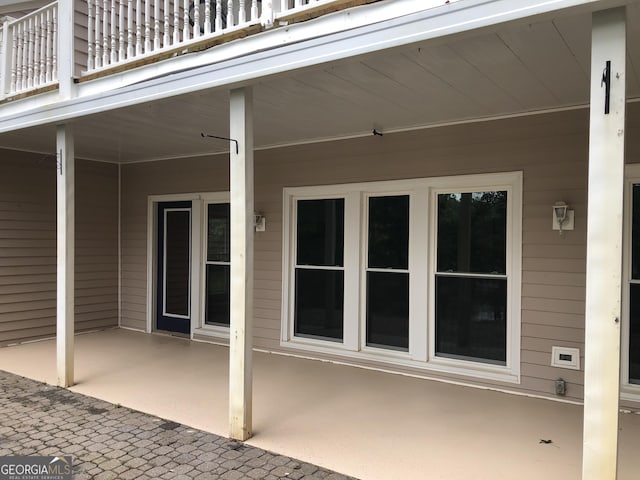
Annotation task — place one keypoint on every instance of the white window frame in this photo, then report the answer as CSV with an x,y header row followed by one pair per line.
x,y
513,188
628,391
422,237
364,250
204,328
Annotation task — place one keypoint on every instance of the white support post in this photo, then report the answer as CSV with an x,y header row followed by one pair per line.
x,y
65,174
604,247
5,66
242,231
66,47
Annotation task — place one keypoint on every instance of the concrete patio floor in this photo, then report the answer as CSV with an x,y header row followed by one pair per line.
x,y
363,423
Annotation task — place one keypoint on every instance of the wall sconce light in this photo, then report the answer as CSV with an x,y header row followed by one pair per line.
x,y
563,218
259,222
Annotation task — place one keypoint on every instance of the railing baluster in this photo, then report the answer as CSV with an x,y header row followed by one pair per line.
x,y
138,27
219,14
50,47
230,19
30,53
207,17
147,26
114,33
90,31
167,25
36,51
130,46
18,61
284,6
121,43
156,24
254,10
105,33
54,46
43,48
242,13
14,57
176,22
98,49
25,57
196,18
186,36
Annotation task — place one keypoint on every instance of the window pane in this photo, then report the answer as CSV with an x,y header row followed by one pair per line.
x,y
217,296
635,234
634,333
388,310
218,232
319,303
472,232
177,268
389,232
321,232
471,318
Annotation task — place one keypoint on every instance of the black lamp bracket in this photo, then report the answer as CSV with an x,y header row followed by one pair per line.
x,y
204,135
606,81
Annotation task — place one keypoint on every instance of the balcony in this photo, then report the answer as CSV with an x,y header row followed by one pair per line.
x,y
111,36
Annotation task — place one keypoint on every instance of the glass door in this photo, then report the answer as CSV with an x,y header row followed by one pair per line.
x,y
173,310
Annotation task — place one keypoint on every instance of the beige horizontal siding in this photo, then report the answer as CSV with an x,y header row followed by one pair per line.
x,y
28,246
551,150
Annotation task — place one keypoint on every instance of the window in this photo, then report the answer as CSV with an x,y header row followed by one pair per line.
x,y
470,280
422,273
217,265
630,337
634,290
387,274
319,270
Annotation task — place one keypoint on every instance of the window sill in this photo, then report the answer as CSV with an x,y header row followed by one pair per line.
x,y
403,359
221,333
630,392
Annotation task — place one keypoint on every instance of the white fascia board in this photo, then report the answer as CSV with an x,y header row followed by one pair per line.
x,y
462,16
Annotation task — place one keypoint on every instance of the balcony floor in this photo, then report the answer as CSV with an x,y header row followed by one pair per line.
x,y
368,424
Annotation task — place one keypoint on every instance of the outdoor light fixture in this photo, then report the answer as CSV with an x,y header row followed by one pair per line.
x,y
562,217
259,222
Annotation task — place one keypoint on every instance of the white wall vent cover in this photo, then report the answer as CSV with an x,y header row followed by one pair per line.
x,y
565,357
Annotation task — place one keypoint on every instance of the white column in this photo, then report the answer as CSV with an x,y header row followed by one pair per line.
x,y
240,337
5,66
66,47
604,249
65,175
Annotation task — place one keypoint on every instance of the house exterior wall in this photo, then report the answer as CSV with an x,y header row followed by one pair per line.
x,y
203,174
28,246
551,150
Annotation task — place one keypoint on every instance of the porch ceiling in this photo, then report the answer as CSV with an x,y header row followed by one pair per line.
x,y
514,68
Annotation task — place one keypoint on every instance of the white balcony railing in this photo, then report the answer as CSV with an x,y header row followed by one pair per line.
x,y
29,51
123,30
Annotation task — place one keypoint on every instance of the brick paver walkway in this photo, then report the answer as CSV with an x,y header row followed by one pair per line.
x,y
112,442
